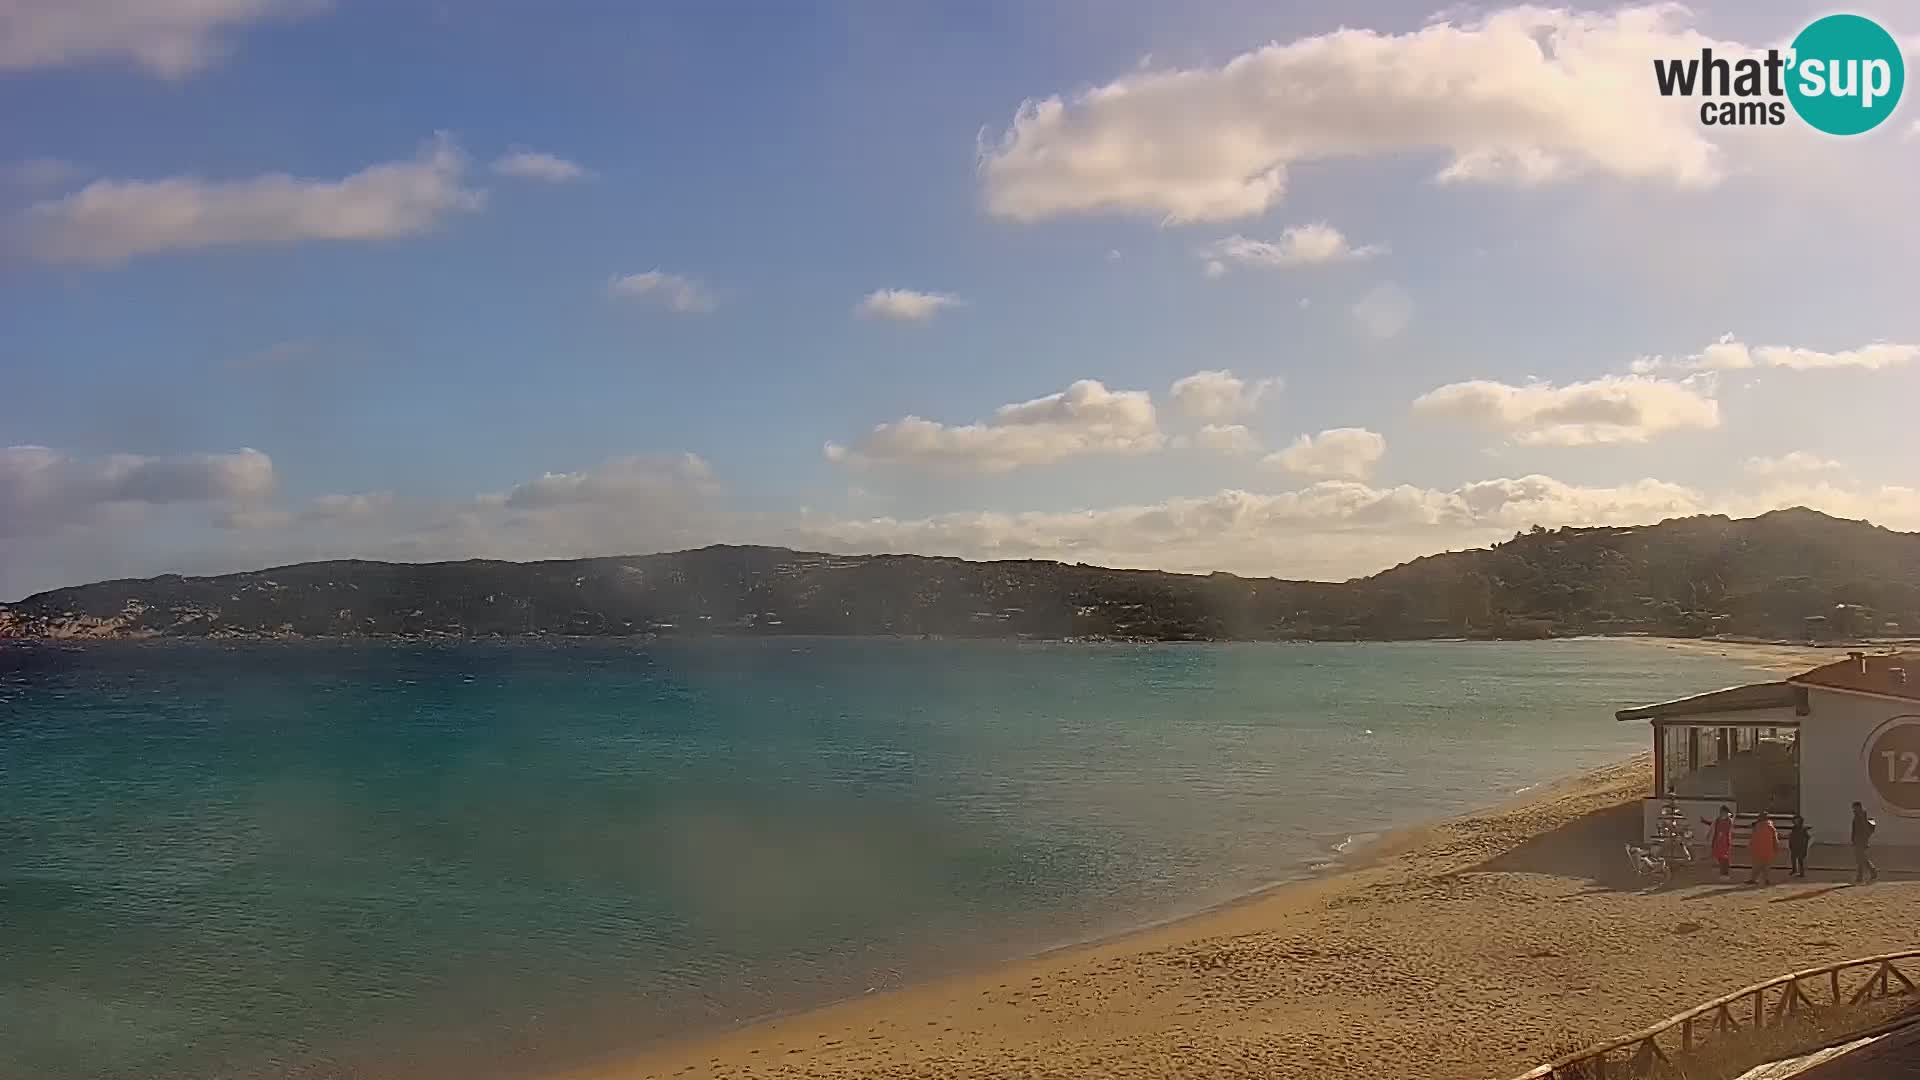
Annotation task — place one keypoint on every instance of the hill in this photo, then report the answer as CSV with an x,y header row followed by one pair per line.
x,y
1787,574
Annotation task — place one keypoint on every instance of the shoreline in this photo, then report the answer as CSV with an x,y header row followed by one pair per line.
x,y
1771,656
1766,654
1345,857
1472,907
1342,859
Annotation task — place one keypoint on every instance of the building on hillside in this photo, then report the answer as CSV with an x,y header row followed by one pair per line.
x,y
1812,745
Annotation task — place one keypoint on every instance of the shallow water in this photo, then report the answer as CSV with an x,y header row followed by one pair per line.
x,y
479,860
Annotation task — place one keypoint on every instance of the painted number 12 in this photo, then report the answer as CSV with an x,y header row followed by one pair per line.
x,y
1903,766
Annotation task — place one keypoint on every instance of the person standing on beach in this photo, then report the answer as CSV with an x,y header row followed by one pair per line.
x,y
1799,838
1722,842
1763,844
1863,826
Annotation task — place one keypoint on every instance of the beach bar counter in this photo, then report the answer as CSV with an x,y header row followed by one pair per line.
x,y
1813,745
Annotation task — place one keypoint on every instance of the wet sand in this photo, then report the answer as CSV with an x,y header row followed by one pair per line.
x,y
1471,948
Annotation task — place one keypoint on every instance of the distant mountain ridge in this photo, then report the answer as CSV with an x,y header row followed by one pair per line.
x,y
1786,574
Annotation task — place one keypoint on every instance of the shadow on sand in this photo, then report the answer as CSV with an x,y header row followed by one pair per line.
x,y
1590,848
1808,894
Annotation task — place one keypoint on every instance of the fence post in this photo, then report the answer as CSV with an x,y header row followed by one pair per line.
x,y
1594,1064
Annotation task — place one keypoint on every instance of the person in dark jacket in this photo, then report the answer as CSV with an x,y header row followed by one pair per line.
x,y
1863,826
1799,838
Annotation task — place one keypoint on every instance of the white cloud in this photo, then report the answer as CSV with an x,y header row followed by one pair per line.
x,y
1299,245
533,165
1798,463
43,172
1233,439
168,38
1611,409
1894,506
1383,312
1730,354
1219,395
1871,357
904,305
1329,529
678,293
111,221
321,511
628,479
1526,95
1086,418
1337,453
352,507
1725,354
42,490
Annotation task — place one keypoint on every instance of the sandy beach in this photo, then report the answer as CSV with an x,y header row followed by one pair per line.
x,y
1779,659
1468,949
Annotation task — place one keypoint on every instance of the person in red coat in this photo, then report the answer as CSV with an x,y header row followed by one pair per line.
x,y
1763,844
1722,839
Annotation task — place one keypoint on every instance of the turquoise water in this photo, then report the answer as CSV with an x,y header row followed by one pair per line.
x,y
490,860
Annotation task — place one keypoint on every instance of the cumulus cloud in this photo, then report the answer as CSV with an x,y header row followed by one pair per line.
x,y
1895,506
167,38
1728,353
678,293
1342,453
1871,357
320,511
1219,395
1798,463
533,165
627,479
1299,245
1522,96
1611,409
1233,439
1332,528
43,490
111,221
1383,312
1085,418
904,305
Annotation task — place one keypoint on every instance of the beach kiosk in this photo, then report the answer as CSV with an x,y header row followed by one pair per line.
x,y
1812,744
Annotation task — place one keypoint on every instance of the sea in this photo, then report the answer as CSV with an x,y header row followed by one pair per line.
x,y
490,860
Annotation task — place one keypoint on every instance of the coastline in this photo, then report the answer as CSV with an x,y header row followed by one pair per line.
x,y
1770,656
1469,947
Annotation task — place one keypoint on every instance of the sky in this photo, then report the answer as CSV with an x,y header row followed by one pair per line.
x,y
1233,286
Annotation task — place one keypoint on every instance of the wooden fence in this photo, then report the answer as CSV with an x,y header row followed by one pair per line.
x,y
1634,1055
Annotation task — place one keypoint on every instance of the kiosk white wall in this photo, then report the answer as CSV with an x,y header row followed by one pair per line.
x,y
1866,748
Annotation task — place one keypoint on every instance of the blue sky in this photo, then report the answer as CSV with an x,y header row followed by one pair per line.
x,y
276,285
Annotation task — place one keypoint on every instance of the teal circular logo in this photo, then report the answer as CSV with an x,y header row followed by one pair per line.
x,y
1845,74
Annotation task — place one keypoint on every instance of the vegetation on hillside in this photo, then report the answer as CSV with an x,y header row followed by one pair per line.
x,y
1788,574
